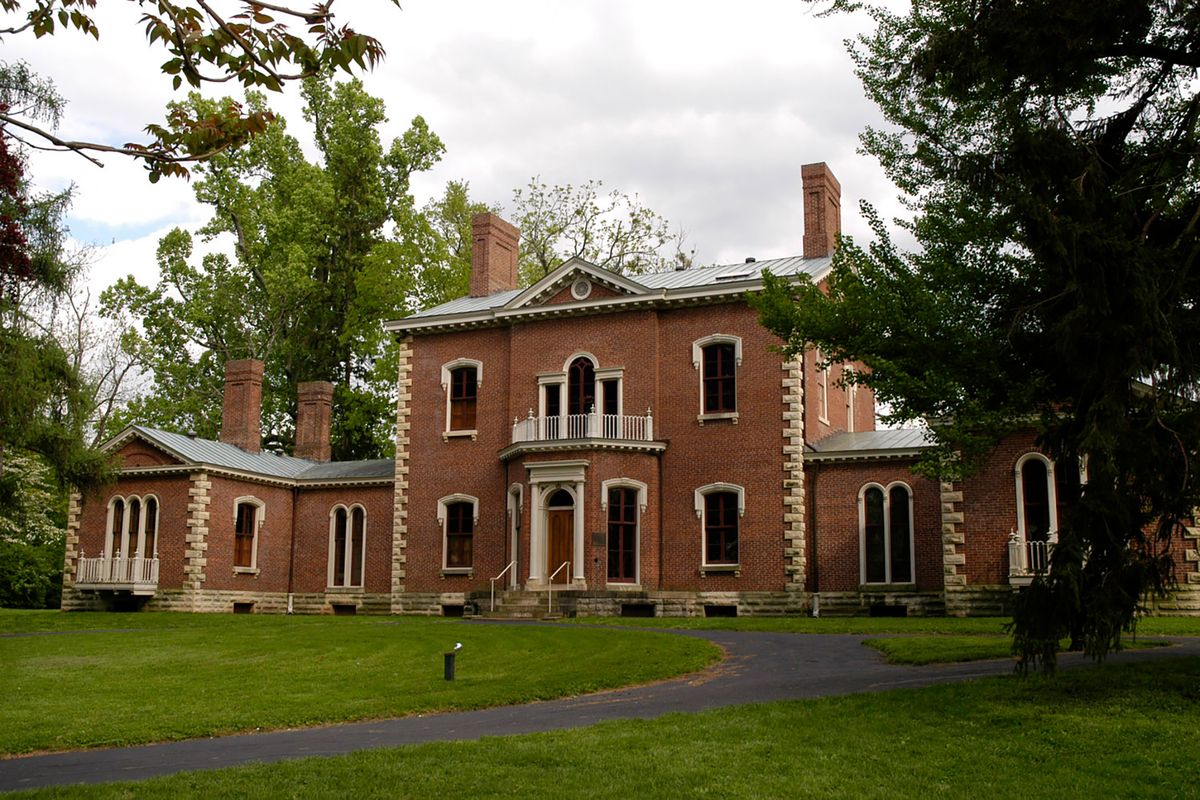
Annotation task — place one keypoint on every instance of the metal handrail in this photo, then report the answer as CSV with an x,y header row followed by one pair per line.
x,y
550,587
511,564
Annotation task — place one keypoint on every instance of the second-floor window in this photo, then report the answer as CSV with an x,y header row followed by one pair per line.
x,y
464,392
720,378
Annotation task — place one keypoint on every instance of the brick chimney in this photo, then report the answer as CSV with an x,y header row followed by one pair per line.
x,y
314,405
822,210
493,255
243,404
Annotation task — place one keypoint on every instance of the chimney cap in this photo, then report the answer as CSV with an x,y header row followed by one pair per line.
x,y
750,259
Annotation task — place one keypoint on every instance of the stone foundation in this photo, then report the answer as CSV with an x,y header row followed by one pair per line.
x,y
980,601
861,604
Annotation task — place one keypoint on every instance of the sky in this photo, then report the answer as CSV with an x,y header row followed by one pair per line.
x,y
705,110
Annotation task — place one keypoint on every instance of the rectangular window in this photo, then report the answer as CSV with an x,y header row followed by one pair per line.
x,y
721,528
622,535
243,539
460,529
610,405
720,378
463,395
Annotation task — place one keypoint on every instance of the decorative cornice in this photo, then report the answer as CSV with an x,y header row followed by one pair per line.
x,y
566,445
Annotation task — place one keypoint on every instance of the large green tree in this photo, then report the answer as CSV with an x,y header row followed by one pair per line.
x,y
321,253
1049,149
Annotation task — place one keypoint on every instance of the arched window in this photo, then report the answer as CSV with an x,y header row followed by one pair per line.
x,y
717,357
886,533
1044,492
133,548
248,515
116,524
461,380
347,546
720,507
150,540
458,514
581,386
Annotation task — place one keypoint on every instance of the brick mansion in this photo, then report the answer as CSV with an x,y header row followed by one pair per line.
x,y
635,445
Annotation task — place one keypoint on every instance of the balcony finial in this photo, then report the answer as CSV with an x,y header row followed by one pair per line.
x,y
530,413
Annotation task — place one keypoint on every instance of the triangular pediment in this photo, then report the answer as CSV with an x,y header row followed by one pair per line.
x,y
133,447
576,281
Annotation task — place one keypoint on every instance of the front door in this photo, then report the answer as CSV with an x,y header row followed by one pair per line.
x,y
562,535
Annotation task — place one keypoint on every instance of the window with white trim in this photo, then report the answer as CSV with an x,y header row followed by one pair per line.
x,y
248,515
716,358
347,546
822,389
461,380
1044,491
132,527
624,501
720,507
458,515
885,529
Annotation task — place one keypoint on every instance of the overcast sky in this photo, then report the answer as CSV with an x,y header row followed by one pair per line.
x,y
706,110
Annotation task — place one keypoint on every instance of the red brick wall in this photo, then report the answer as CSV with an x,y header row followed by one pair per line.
x,y
990,511
655,351
172,494
139,454
313,513
274,537
564,295
833,494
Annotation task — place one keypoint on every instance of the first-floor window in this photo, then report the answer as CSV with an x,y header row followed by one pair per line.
x,y
347,547
116,523
132,527
622,534
721,528
885,517
460,530
245,531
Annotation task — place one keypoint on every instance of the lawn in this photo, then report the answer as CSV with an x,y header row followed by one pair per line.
x,y
942,649
1112,731
92,680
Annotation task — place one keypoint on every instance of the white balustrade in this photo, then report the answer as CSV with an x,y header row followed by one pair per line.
x,y
116,572
584,426
1026,559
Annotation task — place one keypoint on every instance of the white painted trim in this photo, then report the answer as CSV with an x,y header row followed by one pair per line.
x,y
572,265
260,516
442,516
348,547
111,547
641,488
1051,493
516,504
449,367
889,578
697,362
698,496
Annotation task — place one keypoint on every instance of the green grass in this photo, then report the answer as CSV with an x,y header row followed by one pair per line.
x,y
91,680
943,649
1152,626
1112,731
805,624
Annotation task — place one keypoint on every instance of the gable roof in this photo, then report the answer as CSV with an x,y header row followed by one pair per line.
x,y
207,453
655,287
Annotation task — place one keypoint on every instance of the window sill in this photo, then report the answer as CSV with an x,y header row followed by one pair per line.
x,y
823,420
907,586
720,416
245,570
343,590
622,587
717,569
448,435
449,572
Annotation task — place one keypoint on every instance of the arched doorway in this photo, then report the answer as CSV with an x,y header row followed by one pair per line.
x,y
560,534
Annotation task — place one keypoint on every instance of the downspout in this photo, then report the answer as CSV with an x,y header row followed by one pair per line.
x,y
292,550
810,497
661,532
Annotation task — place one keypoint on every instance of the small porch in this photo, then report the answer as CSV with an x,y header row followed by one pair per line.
x,y
584,426
137,575
1028,559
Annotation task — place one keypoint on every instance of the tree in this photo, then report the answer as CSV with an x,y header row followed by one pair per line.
x,y
612,230
262,45
1050,151
313,272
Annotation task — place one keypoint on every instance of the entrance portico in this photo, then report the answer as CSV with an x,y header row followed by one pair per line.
x,y
556,522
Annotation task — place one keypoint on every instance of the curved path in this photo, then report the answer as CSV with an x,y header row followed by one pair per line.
x,y
759,667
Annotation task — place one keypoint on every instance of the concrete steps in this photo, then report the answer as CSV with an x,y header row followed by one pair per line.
x,y
519,604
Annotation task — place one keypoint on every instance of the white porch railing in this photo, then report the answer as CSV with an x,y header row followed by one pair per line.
x,y
584,426
1027,559
137,575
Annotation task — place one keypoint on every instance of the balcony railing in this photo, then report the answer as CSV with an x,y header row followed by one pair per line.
x,y
116,574
1027,559
584,426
